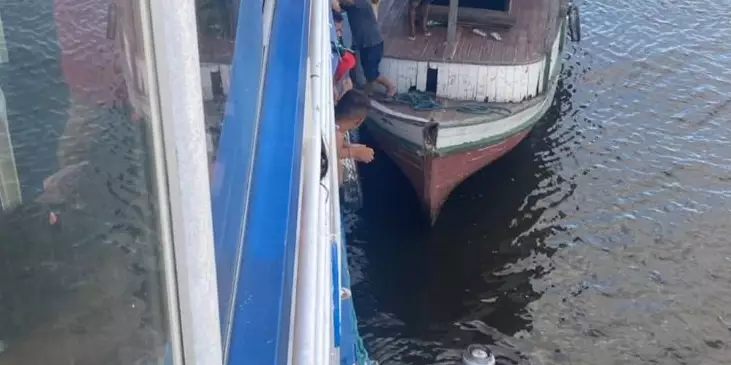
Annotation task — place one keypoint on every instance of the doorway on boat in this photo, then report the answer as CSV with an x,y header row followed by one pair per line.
x,y
432,75
496,5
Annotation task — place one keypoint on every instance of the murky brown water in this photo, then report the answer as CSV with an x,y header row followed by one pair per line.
x,y
605,238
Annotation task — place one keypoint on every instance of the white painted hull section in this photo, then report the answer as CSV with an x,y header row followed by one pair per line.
x,y
450,137
458,81
207,71
469,82
401,125
412,130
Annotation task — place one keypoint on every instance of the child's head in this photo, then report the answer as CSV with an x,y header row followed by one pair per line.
x,y
351,110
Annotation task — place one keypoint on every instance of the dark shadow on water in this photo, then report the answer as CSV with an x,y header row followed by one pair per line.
x,y
443,284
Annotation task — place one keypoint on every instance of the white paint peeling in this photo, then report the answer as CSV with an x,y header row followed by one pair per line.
x,y
457,81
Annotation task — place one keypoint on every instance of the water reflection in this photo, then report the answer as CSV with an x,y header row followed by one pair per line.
x,y
440,298
81,273
601,239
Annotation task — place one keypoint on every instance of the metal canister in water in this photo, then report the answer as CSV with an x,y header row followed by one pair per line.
x,y
478,355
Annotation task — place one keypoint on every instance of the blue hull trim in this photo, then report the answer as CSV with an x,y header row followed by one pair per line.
x,y
337,303
231,180
350,336
263,299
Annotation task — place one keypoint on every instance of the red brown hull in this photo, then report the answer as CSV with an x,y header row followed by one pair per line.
x,y
435,177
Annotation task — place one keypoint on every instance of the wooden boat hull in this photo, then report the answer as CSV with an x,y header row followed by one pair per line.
x,y
437,157
434,177
438,149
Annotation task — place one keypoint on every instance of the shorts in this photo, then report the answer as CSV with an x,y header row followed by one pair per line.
x,y
370,60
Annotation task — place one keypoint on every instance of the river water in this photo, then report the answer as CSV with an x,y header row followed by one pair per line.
x,y
601,239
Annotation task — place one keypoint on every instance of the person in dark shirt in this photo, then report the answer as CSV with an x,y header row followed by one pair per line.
x,y
367,40
422,7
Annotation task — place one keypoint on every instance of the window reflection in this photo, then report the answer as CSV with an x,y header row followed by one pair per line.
x,y
216,29
80,277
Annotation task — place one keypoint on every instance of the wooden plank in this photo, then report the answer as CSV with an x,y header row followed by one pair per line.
x,y
542,76
533,76
482,82
407,75
226,78
421,75
442,77
452,80
492,84
206,83
468,78
520,91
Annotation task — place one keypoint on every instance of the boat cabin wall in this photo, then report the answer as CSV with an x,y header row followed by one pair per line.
x,y
471,82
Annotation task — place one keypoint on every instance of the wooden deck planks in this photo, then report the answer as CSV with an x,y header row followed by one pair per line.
x,y
525,42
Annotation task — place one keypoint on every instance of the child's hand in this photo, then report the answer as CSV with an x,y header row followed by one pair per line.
x,y
361,153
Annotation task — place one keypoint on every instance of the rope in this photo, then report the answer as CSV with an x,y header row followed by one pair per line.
x,y
422,101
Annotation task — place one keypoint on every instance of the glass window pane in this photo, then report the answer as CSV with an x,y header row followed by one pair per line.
x,y
81,277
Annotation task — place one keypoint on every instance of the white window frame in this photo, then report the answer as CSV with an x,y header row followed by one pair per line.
x,y
170,44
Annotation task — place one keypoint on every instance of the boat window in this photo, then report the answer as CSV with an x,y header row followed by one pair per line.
x,y
82,278
496,5
217,32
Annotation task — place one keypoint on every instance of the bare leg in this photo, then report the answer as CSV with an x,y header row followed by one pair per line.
x,y
412,20
390,87
424,10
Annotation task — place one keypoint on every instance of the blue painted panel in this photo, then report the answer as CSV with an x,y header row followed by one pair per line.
x,y
231,180
263,301
349,337
336,293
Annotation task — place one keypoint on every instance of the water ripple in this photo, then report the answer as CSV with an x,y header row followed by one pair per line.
x,y
607,239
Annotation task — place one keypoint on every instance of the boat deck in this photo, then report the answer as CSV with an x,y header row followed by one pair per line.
x,y
524,42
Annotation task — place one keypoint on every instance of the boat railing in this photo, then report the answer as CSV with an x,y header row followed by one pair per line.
x,y
316,316
275,221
